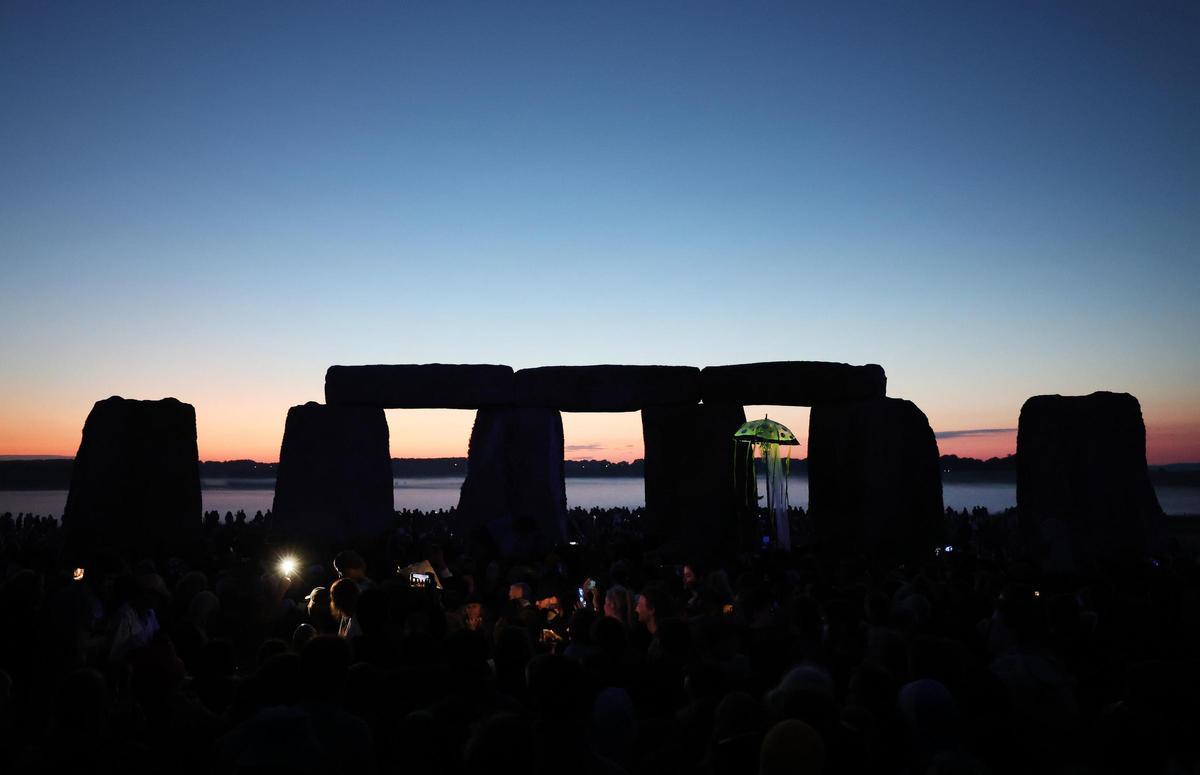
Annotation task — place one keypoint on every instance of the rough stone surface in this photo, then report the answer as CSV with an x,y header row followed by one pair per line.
x,y
1083,490
607,388
515,485
696,496
874,482
334,484
419,386
135,485
791,383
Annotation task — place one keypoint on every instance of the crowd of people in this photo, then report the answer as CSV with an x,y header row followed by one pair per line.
x,y
428,653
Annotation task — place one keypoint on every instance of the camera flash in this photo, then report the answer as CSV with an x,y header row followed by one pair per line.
x,y
288,565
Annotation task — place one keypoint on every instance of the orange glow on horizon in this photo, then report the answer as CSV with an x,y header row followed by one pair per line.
x,y
982,447
252,432
1175,443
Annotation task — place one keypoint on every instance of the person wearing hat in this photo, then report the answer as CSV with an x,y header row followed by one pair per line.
x,y
320,615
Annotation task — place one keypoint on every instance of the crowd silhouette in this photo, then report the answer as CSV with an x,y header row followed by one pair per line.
x,y
428,653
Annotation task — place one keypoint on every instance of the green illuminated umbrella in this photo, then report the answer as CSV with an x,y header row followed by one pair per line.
x,y
765,431
768,436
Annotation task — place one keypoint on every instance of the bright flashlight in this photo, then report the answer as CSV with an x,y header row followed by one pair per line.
x,y
288,565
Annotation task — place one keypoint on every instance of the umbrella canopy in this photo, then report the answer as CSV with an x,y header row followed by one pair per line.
x,y
765,431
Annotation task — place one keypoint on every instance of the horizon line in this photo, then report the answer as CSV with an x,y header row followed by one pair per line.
x,y
47,458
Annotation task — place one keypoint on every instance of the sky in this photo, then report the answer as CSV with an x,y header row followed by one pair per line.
x,y
217,201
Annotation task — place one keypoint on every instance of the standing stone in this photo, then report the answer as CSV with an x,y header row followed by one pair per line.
x,y
334,484
696,493
135,485
515,485
874,479
1083,490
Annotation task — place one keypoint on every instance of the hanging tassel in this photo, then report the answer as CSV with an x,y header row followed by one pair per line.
x,y
787,475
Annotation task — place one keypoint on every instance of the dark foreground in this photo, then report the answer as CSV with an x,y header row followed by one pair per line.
x,y
972,662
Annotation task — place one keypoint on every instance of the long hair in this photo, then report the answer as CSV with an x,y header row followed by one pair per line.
x,y
621,602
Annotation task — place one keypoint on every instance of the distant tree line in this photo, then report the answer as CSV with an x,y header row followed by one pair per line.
x,y
35,474
970,464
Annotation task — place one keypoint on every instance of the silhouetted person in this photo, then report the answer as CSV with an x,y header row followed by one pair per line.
x,y
618,604
349,564
343,602
320,611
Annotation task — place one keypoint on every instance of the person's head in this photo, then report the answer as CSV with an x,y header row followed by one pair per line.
x,y
319,596
343,598
653,605
319,613
349,564
691,577
644,610
303,634
617,605
519,591
472,615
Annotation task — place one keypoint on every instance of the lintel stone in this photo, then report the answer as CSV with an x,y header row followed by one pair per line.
x,y
791,383
607,388
420,386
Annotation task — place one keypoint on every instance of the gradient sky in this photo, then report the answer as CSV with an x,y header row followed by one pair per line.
x,y
216,201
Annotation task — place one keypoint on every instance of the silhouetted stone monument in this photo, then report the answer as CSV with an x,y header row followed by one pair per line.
x,y
420,386
515,468
790,383
1083,489
697,496
515,485
334,484
135,485
607,388
874,480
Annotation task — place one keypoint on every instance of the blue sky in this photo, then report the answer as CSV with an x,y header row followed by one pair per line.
x,y
217,201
